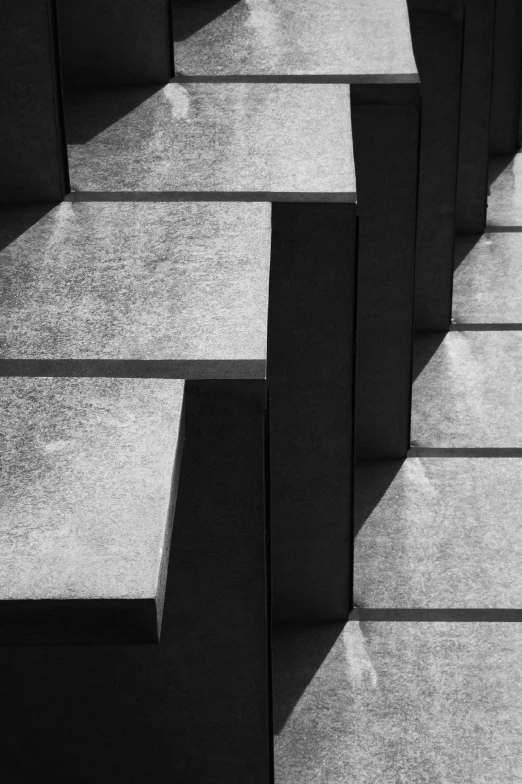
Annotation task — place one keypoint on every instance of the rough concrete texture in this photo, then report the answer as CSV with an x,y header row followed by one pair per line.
x,y
505,191
263,38
184,282
440,533
469,393
86,480
269,140
390,703
487,284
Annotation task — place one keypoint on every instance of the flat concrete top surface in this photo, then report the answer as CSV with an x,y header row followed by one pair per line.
x,y
398,703
470,391
85,485
181,283
487,284
284,38
269,142
505,191
439,533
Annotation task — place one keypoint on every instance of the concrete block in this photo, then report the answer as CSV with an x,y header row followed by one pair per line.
x,y
179,290
254,39
437,34
506,86
311,357
468,394
121,42
33,157
455,519
242,141
384,702
488,279
88,484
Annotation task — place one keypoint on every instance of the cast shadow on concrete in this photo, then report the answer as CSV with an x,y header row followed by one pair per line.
x,y
298,651
189,16
372,480
497,165
425,345
464,244
89,112
16,219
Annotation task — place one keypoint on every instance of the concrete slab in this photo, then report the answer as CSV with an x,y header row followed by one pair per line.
x,y
137,288
382,703
33,156
488,279
88,487
440,533
505,191
468,394
229,140
122,42
254,38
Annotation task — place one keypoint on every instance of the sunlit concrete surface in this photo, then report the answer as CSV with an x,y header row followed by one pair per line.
x,y
505,191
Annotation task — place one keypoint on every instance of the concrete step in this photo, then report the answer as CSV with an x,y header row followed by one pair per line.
x,y
271,142
254,39
381,702
439,533
505,191
136,289
88,480
487,285
467,390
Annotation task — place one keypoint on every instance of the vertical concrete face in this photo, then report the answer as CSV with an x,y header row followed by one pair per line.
x,y
505,89
437,34
310,373
386,143
121,42
477,68
33,158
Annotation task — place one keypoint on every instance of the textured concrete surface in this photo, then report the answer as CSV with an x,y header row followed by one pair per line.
x,y
469,393
383,703
487,284
505,191
86,479
32,154
227,138
122,42
263,38
445,532
184,283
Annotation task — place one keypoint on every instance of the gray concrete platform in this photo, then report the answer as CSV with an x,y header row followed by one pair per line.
x,y
270,142
505,191
439,533
487,285
469,392
381,703
257,39
88,490
136,288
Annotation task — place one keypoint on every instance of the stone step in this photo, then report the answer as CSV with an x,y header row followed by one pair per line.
x,y
467,390
505,191
270,142
487,285
255,40
397,702
145,289
89,481
439,533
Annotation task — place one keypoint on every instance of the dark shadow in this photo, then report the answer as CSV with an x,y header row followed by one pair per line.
x,y
372,480
298,652
464,244
189,16
88,112
16,219
497,165
425,345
